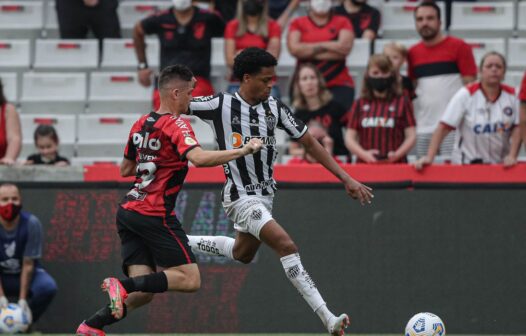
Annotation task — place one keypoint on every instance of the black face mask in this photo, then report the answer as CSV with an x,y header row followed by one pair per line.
x,y
253,7
380,84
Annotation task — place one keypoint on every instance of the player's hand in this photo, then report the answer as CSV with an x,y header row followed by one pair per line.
x,y
3,302
369,156
509,161
91,3
145,77
359,191
422,162
25,308
253,146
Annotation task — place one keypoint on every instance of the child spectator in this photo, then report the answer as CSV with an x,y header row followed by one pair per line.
x,y
397,54
46,142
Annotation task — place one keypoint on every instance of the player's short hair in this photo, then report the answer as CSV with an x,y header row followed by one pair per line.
x,y
493,53
45,131
251,60
174,72
429,3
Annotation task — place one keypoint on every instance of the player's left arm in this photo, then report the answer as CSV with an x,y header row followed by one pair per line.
x,y
354,188
128,167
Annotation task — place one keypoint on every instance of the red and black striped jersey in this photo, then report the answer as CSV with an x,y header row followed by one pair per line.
x,y
158,143
381,124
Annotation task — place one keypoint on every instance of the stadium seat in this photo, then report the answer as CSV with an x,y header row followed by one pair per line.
x,y
286,62
53,92
491,19
63,123
10,85
130,12
15,55
203,132
118,92
50,20
516,52
217,61
103,135
21,19
521,24
514,78
398,19
481,46
119,54
66,54
359,55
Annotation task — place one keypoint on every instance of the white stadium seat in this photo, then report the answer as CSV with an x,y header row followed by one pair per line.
x,y
398,19
482,46
51,20
103,135
217,60
521,24
15,54
130,12
21,19
514,78
66,54
516,53
483,18
286,62
53,92
118,92
65,126
119,54
10,85
203,132
359,55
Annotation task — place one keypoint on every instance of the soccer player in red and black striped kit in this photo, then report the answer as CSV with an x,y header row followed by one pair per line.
x,y
159,147
381,125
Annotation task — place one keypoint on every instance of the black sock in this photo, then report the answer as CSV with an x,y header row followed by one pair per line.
x,y
151,283
103,318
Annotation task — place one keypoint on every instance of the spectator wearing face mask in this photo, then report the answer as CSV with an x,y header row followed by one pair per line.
x,y
365,19
381,125
185,33
325,39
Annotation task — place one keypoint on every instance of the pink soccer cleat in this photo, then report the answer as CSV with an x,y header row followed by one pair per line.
x,y
117,295
86,330
338,324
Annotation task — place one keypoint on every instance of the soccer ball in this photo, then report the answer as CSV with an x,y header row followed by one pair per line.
x,y
13,319
425,324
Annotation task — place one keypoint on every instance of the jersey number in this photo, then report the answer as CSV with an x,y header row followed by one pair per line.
x,y
146,172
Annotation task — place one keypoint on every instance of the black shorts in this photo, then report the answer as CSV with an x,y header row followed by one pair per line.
x,y
152,241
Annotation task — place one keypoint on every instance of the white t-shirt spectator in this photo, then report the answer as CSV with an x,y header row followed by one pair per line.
x,y
484,127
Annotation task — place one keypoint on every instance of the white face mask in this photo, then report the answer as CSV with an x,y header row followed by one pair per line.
x,y
320,6
182,5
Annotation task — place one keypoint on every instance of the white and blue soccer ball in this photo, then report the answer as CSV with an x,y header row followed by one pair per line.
x,y
13,319
425,324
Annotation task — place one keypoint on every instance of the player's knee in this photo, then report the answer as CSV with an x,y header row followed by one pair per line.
x,y
242,256
287,247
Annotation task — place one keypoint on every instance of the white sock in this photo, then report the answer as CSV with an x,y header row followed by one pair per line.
x,y
212,245
305,285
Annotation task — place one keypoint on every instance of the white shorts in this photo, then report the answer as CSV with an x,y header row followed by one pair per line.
x,y
250,213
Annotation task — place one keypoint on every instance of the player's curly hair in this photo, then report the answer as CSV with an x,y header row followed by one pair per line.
x,y
251,60
177,71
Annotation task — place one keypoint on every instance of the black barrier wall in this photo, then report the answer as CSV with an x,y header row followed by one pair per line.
x,y
458,253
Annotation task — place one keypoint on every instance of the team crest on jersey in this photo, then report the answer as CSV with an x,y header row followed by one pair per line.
x,y
271,121
366,107
189,141
168,35
199,30
236,121
508,111
392,108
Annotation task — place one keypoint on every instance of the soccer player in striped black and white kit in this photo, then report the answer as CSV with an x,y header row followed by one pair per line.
x,y
249,189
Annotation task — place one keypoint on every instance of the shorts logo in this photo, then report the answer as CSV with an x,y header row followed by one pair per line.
x,y
293,272
256,214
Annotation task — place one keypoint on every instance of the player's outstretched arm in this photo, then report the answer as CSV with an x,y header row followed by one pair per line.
x,y
203,158
354,188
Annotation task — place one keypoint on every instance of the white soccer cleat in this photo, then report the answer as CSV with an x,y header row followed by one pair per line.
x,y
338,324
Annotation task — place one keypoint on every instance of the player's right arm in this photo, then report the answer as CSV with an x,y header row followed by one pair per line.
x,y
128,167
204,158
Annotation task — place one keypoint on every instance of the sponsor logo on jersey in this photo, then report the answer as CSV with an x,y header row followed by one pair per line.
x,y
498,127
259,186
507,111
238,140
146,142
203,98
378,122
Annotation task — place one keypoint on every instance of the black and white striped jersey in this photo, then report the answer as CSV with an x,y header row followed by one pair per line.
x,y
235,122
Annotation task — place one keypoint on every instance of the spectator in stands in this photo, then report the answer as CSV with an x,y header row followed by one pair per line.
x,y
381,125
522,97
365,19
21,273
281,10
10,132
78,17
485,115
325,39
46,142
312,101
439,65
397,54
319,133
185,33
251,28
